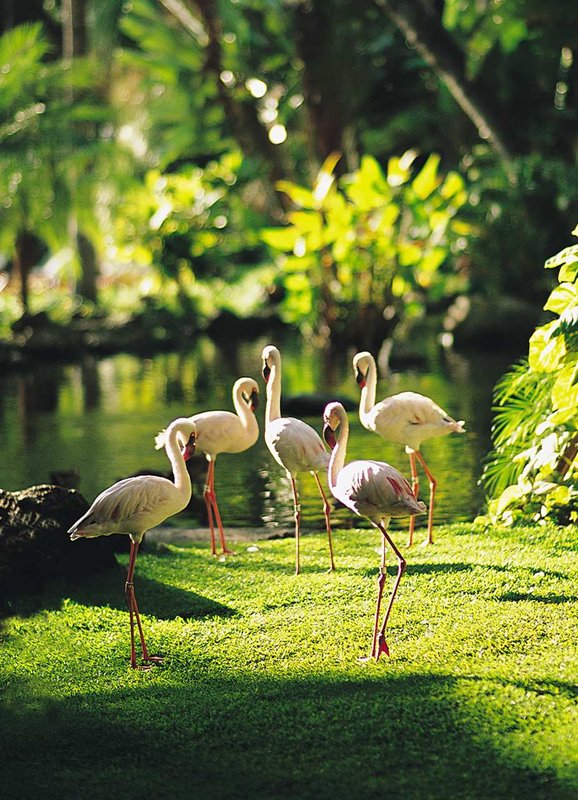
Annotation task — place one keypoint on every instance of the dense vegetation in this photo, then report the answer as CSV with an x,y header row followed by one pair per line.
x,y
144,146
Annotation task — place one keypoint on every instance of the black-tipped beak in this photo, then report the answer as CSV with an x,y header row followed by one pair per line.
x,y
329,435
254,400
189,448
360,377
266,371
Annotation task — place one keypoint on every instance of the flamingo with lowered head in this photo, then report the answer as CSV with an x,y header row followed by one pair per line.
x,y
134,506
294,445
407,418
224,432
375,490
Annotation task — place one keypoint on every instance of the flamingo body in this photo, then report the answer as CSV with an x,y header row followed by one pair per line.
x,y
135,505
371,489
406,418
224,432
294,445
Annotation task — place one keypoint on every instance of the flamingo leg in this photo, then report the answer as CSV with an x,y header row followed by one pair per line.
x,y
297,515
135,616
209,506
432,491
213,500
327,512
401,564
415,490
380,584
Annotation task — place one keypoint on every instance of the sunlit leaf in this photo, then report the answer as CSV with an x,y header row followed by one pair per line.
x,y
427,179
545,351
280,238
299,194
561,257
561,297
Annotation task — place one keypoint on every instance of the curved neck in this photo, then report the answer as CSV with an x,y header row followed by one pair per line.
x,y
367,400
337,459
181,475
242,408
273,408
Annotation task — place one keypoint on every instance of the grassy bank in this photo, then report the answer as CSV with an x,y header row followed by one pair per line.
x,y
263,694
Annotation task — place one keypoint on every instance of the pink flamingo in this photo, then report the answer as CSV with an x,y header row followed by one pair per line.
x,y
134,506
294,445
371,489
224,432
407,418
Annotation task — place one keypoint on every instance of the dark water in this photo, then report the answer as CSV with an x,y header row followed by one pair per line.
x,y
100,418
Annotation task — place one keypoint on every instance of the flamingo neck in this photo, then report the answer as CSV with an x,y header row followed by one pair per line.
x,y
242,409
367,400
337,459
273,407
181,475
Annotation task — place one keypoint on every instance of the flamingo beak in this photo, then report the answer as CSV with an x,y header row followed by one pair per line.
x,y
360,378
266,371
329,435
189,449
254,400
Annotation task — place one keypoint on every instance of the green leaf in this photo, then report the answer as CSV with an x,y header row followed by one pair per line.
x,y
280,238
561,257
564,295
299,194
545,351
427,179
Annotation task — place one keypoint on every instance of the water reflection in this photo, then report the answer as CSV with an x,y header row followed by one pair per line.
x,y
99,418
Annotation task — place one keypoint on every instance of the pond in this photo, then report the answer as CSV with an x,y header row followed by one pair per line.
x,y
99,418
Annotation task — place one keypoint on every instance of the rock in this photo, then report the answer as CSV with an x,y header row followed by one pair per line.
x,y
34,544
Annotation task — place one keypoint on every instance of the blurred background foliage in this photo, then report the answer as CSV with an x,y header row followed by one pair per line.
x,y
148,143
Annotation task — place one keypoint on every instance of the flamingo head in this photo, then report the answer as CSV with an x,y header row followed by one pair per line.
x,y
271,357
252,399
331,421
188,449
361,367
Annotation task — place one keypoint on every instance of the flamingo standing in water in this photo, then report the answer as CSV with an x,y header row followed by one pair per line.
x,y
294,445
375,490
407,418
224,432
134,506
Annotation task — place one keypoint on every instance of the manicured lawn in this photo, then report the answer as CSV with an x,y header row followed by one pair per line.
x,y
263,693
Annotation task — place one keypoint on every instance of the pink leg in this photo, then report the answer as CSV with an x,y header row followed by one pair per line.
x,y
381,643
432,491
135,616
213,500
209,507
380,585
327,512
415,490
297,514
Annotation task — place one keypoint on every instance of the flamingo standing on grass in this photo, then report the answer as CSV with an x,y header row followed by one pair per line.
x,y
224,432
371,489
134,506
407,418
294,445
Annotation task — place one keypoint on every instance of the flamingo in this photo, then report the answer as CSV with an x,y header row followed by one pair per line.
x,y
407,418
224,432
375,490
134,506
294,445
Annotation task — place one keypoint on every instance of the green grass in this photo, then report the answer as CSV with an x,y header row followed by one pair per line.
x,y
263,694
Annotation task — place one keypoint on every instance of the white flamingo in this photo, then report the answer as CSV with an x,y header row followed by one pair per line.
x,y
224,432
134,506
407,418
375,490
294,445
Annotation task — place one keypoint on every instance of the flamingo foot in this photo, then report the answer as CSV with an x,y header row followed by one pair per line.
x,y
148,663
381,646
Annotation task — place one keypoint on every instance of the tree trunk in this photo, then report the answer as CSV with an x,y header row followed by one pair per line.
x,y
425,32
75,45
26,254
241,117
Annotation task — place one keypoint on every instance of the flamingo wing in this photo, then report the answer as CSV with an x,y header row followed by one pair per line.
x,y
375,489
296,445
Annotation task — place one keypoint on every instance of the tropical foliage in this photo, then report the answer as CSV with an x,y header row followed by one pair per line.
x,y
532,471
366,248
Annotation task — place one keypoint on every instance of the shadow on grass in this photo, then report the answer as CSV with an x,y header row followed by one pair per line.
x,y
160,600
217,737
